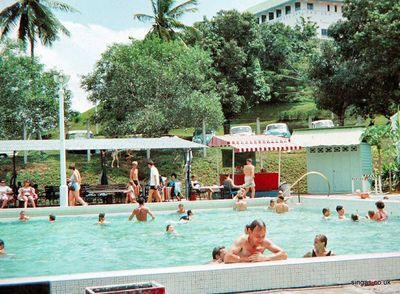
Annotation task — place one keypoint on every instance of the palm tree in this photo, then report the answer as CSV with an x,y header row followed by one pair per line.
x,y
165,17
35,19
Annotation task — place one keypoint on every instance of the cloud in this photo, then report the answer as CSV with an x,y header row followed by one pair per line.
x,y
77,55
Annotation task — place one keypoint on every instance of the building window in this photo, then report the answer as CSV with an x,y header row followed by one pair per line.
x,y
288,9
324,32
310,6
335,8
297,6
263,18
271,16
328,7
278,13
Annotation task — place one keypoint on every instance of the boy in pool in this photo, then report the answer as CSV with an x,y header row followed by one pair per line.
x,y
102,218
340,211
186,218
326,213
170,229
181,209
370,215
240,197
23,217
355,217
52,218
218,255
271,205
2,249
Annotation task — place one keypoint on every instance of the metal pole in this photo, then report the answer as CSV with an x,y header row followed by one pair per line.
x,y
258,128
25,151
63,172
279,168
148,153
233,164
204,139
88,136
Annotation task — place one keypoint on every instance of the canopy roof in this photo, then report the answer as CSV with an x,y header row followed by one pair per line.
x,y
95,144
253,143
342,136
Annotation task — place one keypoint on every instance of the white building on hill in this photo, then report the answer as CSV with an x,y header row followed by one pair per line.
x,y
323,13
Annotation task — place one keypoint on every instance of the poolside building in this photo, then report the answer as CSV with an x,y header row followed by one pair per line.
x,y
290,12
340,155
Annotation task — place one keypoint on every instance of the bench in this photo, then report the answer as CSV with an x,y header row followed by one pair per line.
x,y
104,194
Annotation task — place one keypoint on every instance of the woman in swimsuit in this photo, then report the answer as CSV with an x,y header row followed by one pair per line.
x,y
27,194
320,243
75,187
130,193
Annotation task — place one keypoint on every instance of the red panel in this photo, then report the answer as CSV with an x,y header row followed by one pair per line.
x,y
264,181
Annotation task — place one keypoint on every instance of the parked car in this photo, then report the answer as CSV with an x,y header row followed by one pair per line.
x,y
241,130
278,129
80,134
325,123
198,136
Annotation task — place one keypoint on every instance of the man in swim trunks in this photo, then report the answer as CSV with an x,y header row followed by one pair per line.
x,y
251,246
141,212
249,183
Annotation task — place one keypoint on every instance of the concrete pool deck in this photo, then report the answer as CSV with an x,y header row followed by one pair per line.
x,y
393,288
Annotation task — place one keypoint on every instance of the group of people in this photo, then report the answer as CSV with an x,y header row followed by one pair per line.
x,y
379,215
26,194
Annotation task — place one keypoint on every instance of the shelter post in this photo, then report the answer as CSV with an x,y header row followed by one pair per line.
x,y
148,153
233,164
279,167
88,136
25,152
204,139
63,176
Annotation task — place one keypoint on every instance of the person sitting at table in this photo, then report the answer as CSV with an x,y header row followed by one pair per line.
x,y
176,187
196,186
27,194
229,185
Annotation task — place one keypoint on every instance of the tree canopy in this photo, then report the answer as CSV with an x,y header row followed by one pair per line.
x,y
20,106
150,87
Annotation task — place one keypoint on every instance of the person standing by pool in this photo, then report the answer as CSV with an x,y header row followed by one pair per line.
x,y
251,246
141,212
320,243
154,183
249,183
134,176
340,211
75,187
381,215
6,193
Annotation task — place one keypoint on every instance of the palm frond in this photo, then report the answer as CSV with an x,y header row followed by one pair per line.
x,y
9,18
60,6
143,17
179,10
23,29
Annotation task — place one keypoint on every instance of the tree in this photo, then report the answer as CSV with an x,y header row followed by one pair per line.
x,y
150,87
339,83
370,36
234,43
166,17
376,135
36,20
18,107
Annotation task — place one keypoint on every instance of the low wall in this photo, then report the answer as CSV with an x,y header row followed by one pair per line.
x,y
227,278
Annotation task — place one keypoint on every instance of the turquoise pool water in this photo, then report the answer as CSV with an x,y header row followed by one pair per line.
x,y
77,244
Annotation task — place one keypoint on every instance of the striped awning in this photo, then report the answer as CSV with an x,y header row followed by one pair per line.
x,y
252,143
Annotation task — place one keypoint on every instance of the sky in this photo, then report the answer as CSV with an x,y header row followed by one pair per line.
x,y
100,23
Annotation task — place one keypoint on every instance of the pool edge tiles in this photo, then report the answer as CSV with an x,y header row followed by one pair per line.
x,y
224,278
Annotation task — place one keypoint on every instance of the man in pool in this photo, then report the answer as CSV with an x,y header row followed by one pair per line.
x,y
326,213
251,246
52,218
23,217
281,206
2,249
186,218
181,209
141,212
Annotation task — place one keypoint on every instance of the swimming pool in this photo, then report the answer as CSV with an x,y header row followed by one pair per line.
x,y
76,244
